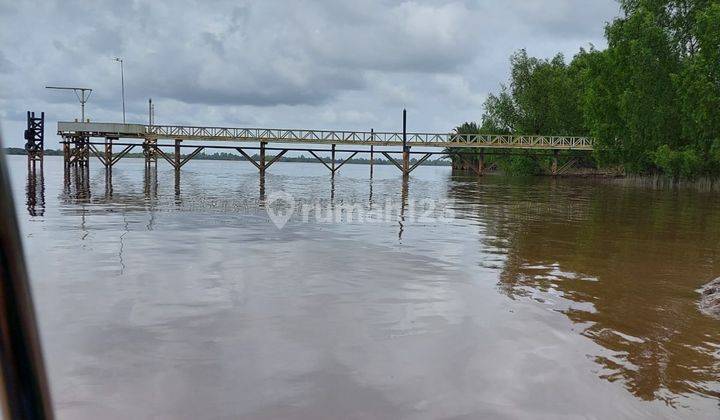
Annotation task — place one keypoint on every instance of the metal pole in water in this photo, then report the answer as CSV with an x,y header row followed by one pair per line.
x,y
372,151
261,163
406,149
332,159
177,156
404,138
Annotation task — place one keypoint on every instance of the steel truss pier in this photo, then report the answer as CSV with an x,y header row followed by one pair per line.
x,y
153,139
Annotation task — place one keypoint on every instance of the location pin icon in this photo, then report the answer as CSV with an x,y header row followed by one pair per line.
x,y
280,207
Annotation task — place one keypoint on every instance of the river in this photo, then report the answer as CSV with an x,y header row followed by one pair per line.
x,y
442,297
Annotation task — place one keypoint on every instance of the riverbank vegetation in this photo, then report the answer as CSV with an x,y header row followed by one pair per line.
x,y
651,99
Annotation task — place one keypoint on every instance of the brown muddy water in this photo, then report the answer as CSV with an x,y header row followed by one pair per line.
x,y
446,297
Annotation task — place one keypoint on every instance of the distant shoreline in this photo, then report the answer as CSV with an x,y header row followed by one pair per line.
x,y
233,157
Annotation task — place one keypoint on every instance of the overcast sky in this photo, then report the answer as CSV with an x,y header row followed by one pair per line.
x,y
286,64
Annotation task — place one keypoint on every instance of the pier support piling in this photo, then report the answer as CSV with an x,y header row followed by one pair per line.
x,y
66,153
332,160
554,168
177,155
406,149
261,162
78,152
108,154
108,161
149,152
481,163
372,158
406,161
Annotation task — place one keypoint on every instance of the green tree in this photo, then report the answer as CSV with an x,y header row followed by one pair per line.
x,y
543,98
651,98
631,106
678,18
698,86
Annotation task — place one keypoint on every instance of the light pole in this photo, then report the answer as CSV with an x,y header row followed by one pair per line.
x,y
122,81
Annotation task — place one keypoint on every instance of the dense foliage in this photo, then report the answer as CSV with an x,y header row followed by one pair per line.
x,y
651,99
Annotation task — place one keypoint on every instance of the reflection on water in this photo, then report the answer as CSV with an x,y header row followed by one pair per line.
x,y
538,297
623,266
76,182
35,190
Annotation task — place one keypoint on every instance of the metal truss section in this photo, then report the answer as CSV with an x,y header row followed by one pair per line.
x,y
276,135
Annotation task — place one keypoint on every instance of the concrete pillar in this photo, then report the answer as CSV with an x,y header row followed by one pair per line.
x,y
554,168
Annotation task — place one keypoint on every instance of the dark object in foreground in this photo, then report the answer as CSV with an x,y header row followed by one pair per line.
x,y
24,384
710,298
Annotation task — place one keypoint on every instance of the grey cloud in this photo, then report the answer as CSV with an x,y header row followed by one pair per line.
x,y
341,63
571,19
409,37
6,66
